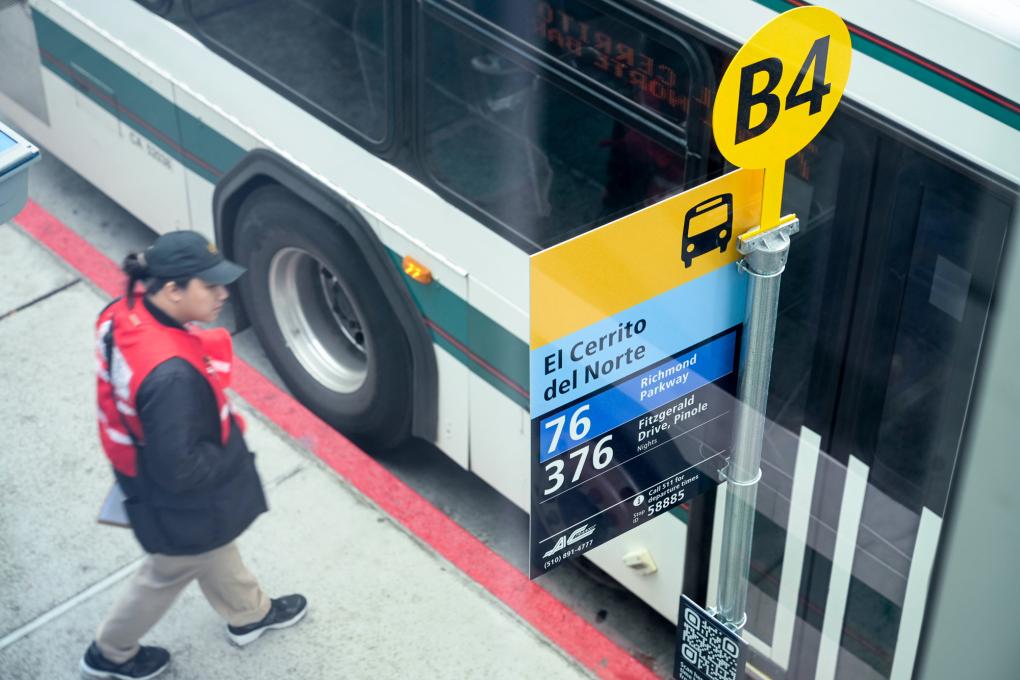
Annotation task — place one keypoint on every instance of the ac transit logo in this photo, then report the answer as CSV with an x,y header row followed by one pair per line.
x,y
580,533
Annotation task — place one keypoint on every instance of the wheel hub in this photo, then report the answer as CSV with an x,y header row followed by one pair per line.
x,y
319,321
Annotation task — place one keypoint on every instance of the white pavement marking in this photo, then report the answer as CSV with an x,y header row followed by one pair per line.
x,y
70,604
854,489
916,597
796,544
99,587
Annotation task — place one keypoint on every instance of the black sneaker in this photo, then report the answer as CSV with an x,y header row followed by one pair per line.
x,y
286,611
147,663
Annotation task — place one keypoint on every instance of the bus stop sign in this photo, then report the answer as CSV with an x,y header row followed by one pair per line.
x,y
778,92
635,340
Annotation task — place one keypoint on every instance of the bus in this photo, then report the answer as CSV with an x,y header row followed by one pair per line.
x,y
707,226
385,168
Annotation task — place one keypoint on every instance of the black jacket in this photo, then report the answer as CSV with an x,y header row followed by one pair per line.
x,y
191,494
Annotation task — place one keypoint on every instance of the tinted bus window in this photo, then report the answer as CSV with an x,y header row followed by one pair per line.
x,y
329,56
545,163
939,280
659,77
825,186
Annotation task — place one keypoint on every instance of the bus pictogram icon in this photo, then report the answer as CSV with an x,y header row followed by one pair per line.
x,y
707,226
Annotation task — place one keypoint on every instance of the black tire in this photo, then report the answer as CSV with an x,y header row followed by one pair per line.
x,y
287,245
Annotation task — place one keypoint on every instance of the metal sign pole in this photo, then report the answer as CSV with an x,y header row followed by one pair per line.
x,y
764,260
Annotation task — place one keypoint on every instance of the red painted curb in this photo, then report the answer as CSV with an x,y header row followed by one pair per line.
x,y
550,617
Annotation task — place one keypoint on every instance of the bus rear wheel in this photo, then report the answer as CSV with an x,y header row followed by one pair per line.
x,y
323,319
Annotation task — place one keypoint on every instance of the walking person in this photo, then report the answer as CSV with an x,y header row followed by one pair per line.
x,y
178,452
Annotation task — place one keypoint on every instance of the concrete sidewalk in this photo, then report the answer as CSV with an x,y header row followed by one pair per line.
x,y
382,604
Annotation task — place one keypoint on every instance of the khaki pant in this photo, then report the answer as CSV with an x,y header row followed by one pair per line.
x,y
227,584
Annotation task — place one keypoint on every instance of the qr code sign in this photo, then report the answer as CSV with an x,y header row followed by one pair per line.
x,y
706,649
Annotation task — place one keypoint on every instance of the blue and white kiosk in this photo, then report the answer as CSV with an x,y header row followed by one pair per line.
x,y
16,154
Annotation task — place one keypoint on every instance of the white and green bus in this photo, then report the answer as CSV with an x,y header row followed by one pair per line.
x,y
384,168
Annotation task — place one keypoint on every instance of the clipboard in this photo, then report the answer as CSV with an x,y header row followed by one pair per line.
x,y
113,513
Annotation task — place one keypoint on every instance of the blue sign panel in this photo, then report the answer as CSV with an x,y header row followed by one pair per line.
x,y
5,142
634,449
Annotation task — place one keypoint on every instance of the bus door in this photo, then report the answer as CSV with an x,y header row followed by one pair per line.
x,y
828,186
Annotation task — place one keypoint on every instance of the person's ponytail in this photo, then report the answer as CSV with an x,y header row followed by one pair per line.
x,y
137,270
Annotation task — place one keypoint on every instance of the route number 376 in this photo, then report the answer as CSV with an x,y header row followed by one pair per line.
x,y
601,456
578,429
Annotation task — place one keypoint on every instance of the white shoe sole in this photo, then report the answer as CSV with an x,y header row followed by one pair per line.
x,y
89,672
248,638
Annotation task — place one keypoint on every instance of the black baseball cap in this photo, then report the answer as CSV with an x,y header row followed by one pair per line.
x,y
187,254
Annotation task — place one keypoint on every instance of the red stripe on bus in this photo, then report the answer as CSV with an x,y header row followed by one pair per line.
x,y
543,612
923,62
477,359
94,89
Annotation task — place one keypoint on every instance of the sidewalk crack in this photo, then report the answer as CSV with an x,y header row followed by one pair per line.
x,y
40,298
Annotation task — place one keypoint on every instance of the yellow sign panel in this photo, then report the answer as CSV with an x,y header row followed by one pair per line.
x,y
779,91
635,258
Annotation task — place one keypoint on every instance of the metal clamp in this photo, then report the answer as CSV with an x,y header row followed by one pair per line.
x,y
735,626
733,482
765,252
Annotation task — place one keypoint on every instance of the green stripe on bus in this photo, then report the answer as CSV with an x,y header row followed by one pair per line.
x,y
499,348
217,150
908,67
485,347
939,82
133,103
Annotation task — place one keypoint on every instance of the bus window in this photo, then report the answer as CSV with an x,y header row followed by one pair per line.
x,y
826,186
935,286
540,161
619,56
328,56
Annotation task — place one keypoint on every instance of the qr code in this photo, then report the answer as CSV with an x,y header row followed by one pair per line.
x,y
708,650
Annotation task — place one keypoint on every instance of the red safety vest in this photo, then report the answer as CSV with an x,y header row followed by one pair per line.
x,y
140,343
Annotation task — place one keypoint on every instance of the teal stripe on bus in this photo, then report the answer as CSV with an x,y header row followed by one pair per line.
x,y
221,153
485,347
488,349
919,68
134,103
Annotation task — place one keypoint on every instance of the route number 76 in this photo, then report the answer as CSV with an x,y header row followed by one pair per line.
x,y
580,425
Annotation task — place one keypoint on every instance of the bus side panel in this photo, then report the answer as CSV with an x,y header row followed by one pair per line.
x,y
664,540
112,119
500,441
500,430
452,409
20,67
443,306
214,145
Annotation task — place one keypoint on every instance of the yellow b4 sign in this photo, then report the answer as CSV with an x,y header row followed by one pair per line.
x,y
778,92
